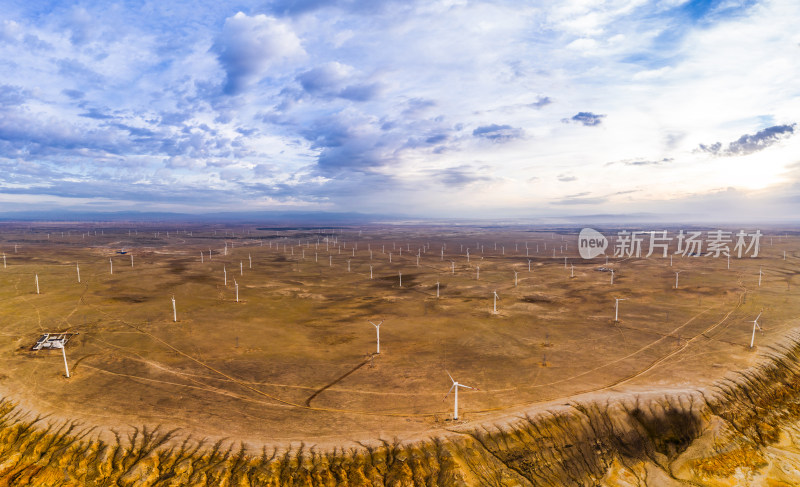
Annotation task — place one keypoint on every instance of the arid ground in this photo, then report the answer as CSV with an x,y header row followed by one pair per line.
x,y
293,361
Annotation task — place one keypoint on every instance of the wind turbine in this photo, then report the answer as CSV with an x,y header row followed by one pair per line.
x,y
131,260
478,272
60,345
400,273
616,308
755,325
496,297
370,272
676,279
529,265
515,278
37,283
110,266
437,289
250,258
612,277
174,310
572,270
378,334
78,268
455,387
237,289
759,277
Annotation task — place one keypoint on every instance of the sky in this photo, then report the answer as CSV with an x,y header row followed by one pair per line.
x,y
462,109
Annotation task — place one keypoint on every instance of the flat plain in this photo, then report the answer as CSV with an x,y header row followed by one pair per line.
x,y
293,361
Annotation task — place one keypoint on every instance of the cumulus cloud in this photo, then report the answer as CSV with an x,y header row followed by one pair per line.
x,y
588,119
749,143
498,133
249,46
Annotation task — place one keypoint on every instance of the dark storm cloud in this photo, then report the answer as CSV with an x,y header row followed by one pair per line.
x,y
588,119
498,133
747,144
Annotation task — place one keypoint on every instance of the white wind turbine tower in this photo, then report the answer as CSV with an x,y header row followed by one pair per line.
x,y
110,266
37,283
63,354
174,310
453,267
241,268
515,278
250,259
131,260
437,289
755,325
378,334
399,273
225,272
572,270
478,272
455,387
616,308
612,277
529,265
759,277
494,306
78,268
676,279
236,284
370,272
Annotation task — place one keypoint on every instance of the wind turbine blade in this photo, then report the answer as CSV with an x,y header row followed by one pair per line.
x,y
757,317
468,387
448,392
451,378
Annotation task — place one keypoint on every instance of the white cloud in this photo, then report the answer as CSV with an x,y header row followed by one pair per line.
x,y
249,46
